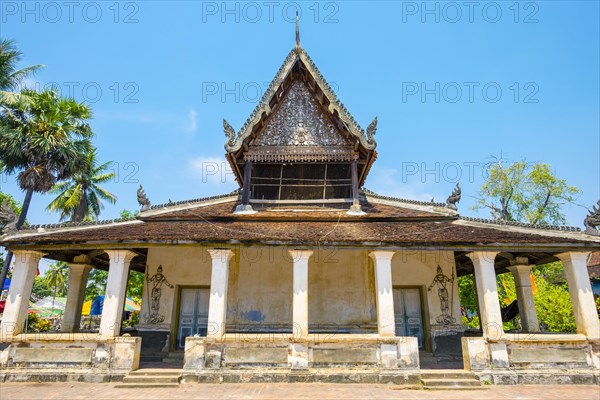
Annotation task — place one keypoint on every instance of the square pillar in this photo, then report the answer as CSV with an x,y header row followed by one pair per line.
x,y
78,276
522,275
219,281
487,293
386,323
116,288
580,289
17,302
300,299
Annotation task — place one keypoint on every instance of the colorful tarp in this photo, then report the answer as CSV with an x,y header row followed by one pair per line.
x,y
94,307
49,306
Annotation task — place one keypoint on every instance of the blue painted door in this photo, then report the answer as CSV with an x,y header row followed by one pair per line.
x,y
407,313
193,313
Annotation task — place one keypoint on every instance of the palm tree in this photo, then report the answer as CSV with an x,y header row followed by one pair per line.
x,y
44,140
56,278
12,78
80,197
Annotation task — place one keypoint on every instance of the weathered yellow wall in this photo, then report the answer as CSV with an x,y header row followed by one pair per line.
x,y
340,289
260,287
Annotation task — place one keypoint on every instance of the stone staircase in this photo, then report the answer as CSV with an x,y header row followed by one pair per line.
x,y
151,378
450,379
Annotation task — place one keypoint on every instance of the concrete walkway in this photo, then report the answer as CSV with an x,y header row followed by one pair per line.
x,y
88,391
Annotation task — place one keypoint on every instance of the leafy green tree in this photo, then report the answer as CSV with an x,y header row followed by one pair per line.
x,y
80,197
552,273
96,283
11,77
127,214
530,193
135,285
44,141
525,192
56,278
40,289
468,299
553,304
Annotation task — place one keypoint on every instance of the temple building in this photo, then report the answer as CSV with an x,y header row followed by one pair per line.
x,y
302,274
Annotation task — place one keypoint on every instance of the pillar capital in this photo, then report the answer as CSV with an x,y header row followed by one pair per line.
x,y
383,255
224,254
485,256
574,256
79,268
28,255
300,254
121,256
520,270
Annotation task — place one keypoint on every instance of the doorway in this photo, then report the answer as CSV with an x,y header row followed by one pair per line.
x,y
408,314
193,313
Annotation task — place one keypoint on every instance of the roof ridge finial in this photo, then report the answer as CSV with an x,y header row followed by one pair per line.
x,y
297,30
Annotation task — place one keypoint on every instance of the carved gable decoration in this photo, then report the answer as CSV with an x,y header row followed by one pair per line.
x,y
299,122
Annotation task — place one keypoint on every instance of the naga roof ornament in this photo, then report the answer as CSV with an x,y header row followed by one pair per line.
x,y
454,198
592,220
142,199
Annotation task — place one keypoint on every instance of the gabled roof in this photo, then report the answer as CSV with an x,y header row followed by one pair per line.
x,y
387,220
265,107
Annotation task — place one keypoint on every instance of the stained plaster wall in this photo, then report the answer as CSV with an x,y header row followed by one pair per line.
x,y
340,290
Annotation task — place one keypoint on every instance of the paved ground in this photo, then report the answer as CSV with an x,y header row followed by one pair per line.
x,y
72,391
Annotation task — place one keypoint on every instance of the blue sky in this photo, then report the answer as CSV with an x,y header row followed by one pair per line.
x,y
451,84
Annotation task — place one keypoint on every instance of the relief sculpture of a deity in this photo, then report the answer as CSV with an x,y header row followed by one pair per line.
x,y
157,280
442,281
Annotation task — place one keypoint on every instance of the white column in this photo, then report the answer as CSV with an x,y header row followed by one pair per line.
x,y
300,299
21,284
78,276
529,319
219,280
487,293
382,261
580,289
116,288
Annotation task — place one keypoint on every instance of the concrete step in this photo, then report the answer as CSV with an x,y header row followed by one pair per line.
x,y
152,378
451,383
145,385
447,374
156,371
448,388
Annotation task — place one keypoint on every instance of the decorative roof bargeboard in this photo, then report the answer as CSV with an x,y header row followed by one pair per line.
x,y
299,154
235,141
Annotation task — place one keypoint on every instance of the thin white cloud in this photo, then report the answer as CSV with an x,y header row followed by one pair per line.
x,y
191,123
